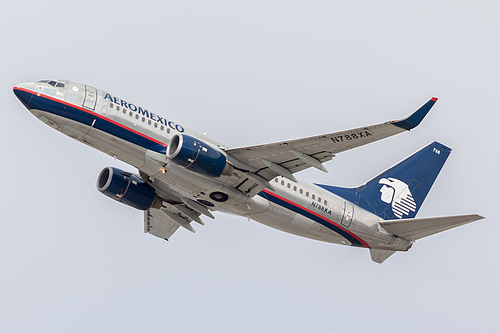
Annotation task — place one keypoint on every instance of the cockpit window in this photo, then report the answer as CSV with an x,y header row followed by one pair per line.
x,y
53,83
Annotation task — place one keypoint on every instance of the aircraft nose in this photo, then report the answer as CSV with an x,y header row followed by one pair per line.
x,y
24,92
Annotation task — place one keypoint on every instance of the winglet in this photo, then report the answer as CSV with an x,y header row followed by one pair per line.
x,y
416,118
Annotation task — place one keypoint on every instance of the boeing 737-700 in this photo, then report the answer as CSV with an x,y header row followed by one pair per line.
x,y
183,174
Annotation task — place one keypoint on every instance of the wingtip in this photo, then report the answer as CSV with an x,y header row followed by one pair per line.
x,y
416,118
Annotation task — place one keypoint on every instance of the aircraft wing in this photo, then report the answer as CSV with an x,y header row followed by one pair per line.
x,y
288,157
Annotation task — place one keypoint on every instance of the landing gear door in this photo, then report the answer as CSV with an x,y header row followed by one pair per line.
x,y
348,215
90,99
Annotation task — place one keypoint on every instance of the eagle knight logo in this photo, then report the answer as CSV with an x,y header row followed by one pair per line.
x,y
397,193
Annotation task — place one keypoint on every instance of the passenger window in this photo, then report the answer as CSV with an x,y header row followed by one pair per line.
x,y
137,116
326,202
162,127
319,199
149,122
130,113
301,191
168,130
143,119
307,194
111,105
288,185
117,108
124,111
295,188
282,182
313,196
156,125
276,180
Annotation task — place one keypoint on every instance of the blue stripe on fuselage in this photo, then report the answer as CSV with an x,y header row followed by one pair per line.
x,y
321,220
87,117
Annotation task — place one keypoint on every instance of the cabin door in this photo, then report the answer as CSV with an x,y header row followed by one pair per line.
x,y
90,98
348,214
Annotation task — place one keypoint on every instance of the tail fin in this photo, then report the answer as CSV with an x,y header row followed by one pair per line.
x,y
399,191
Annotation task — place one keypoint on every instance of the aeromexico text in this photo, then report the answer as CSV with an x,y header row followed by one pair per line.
x,y
145,113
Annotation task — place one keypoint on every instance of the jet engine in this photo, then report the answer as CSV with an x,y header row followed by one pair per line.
x,y
197,156
128,189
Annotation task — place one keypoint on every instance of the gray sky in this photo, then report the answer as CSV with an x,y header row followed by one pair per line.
x,y
247,73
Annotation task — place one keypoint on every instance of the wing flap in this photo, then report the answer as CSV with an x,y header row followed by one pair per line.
x,y
164,222
158,224
413,229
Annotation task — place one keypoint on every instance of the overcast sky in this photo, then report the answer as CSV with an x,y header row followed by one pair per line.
x,y
247,73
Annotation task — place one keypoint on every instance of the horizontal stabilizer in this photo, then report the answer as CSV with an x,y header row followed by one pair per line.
x,y
413,229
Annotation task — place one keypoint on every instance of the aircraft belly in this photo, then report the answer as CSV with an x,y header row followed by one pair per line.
x,y
109,144
116,147
280,218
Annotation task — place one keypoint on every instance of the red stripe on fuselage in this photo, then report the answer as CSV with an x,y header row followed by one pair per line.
x,y
318,215
92,113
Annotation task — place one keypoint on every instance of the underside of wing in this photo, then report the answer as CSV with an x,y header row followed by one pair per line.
x,y
163,222
176,211
158,224
288,157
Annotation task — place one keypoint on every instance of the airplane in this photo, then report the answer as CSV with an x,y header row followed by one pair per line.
x,y
183,174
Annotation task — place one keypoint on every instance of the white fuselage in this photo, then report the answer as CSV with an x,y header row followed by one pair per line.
x,y
137,136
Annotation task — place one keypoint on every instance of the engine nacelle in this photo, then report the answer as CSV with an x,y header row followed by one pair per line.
x,y
127,188
197,156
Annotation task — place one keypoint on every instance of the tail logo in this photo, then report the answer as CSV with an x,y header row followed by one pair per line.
x,y
397,193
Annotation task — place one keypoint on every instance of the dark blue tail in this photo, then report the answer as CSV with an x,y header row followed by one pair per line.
x,y
399,191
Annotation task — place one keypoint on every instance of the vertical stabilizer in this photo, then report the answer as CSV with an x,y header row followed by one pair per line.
x,y
399,191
